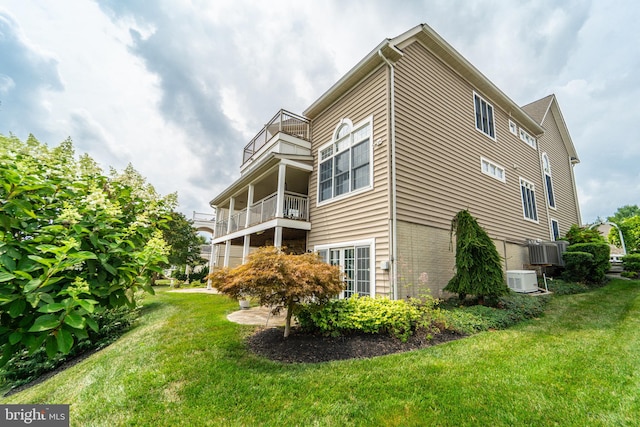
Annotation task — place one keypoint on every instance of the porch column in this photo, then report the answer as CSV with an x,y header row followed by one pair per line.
x,y
249,203
232,205
227,252
245,249
282,172
277,238
211,263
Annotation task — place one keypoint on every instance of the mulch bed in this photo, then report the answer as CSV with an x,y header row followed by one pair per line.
x,y
302,347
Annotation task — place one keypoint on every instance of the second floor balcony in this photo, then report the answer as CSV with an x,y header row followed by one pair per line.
x,y
285,133
296,207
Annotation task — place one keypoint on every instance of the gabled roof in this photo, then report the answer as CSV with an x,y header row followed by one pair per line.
x,y
391,49
539,111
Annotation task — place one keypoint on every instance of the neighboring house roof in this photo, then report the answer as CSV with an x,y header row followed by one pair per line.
x,y
392,51
539,110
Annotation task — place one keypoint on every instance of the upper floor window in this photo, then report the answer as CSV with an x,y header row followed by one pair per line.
x,y
345,163
546,167
513,128
492,169
528,192
555,230
484,116
527,138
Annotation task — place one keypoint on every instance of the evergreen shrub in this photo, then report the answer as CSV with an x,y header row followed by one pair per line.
x,y
631,262
598,268
577,266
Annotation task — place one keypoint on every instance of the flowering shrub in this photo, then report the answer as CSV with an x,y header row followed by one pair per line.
x,y
71,240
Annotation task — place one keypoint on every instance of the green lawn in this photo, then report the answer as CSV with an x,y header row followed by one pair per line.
x,y
185,364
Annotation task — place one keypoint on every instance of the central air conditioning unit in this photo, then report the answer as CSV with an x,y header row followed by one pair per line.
x,y
523,281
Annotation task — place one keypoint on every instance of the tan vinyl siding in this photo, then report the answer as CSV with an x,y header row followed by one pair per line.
x,y
426,261
566,212
365,215
439,150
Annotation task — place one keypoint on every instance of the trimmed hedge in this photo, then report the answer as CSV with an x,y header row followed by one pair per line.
x,y
594,271
577,266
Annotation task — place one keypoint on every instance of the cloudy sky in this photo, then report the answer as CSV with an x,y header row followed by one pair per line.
x,y
178,87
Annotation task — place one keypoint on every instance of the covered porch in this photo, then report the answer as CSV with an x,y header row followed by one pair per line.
x,y
269,203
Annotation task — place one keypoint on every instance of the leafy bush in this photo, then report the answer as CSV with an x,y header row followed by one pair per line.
x,y
577,234
631,262
578,266
561,287
71,240
372,316
521,307
630,275
594,271
23,367
198,276
512,308
464,321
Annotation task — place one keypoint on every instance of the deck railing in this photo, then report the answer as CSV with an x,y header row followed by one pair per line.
x,y
199,216
296,206
285,122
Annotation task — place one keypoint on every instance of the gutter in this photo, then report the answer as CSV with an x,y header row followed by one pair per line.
x,y
394,210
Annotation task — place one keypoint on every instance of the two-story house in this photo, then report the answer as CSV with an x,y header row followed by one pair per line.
x,y
371,174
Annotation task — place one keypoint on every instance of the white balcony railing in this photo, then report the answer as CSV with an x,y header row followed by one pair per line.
x,y
199,216
284,121
296,206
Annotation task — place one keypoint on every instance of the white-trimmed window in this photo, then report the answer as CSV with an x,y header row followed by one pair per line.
x,y
529,207
493,169
356,262
527,138
513,128
345,164
555,230
484,116
548,180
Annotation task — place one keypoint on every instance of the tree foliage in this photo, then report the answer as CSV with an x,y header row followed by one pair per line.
x,y
280,280
183,240
624,212
72,241
630,228
627,218
478,264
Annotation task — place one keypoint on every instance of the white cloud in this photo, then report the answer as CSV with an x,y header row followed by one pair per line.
x,y
178,88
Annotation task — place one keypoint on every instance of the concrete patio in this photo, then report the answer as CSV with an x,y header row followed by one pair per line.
x,y
260,316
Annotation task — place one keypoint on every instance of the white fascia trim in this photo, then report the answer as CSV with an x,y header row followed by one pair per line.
x,y
276,222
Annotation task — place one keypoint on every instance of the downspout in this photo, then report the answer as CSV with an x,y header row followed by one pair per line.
x,y
546,190
394,221
572,162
